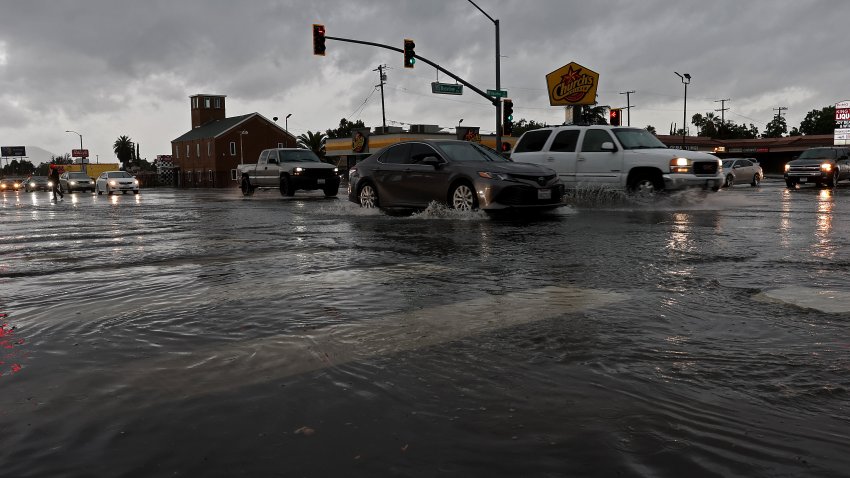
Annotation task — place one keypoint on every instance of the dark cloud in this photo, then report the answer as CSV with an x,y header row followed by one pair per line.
x,y
121,67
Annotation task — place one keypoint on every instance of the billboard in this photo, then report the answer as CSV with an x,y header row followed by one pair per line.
x,y
13,151
469,133
841,135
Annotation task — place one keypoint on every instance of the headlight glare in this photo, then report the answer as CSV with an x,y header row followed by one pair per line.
x,y
826,167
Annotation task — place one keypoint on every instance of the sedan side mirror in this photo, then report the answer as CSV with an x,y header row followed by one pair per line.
x,y
432,161
608,146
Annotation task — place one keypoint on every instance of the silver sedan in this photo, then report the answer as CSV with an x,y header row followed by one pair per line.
x,y
742,170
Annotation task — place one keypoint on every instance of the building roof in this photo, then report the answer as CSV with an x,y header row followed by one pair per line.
x,y
213,128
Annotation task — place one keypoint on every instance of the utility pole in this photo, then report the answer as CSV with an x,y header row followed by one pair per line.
x,y
722,110
779,111
383,78
628,106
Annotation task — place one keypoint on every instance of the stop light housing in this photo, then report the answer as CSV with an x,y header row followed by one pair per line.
x,y
409,53
507,117
614,116
506,147
318,39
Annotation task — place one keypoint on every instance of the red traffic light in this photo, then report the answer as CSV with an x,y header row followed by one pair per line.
x,y
614,117
318,39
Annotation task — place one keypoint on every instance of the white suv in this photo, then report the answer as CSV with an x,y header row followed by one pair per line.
x,y
617,157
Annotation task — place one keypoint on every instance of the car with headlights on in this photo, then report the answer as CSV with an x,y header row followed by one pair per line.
x,y
111,182
71,181
11,184
742,170
461,174
820,166
38,183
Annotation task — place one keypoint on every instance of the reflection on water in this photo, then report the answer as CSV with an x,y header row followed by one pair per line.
x,y
823,247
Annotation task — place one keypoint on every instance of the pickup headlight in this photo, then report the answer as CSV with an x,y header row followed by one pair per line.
x,y
298,170
826,167
787,167
680,165
497,176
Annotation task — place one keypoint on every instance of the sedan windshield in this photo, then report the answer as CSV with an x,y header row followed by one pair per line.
x,y
119,174
467,152
77,176
636,138
300,156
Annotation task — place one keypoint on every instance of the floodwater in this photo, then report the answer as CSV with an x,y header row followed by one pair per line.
x,y
200,333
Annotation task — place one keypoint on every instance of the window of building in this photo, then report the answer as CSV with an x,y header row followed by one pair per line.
x,y
233,176
199,176
177,151
209,148
211,176
195,102
207,103
218,103
188,177
280,145
188,154
233,148
198,150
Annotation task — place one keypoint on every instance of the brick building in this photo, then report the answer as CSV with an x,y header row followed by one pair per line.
x,y
207,155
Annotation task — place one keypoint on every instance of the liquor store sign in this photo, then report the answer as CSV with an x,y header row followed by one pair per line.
x,y
572,84
842,123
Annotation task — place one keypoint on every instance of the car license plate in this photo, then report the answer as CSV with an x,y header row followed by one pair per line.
x,y
544,194
320,181
804,180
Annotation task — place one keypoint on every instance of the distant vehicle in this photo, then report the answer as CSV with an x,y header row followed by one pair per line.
x,y
743,170
623,158
71,181
11,184
38,183
110,182
288,169
819,166
461,174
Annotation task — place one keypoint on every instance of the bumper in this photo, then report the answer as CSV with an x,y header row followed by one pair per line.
x,y
808,178
675,182
310,184
500,197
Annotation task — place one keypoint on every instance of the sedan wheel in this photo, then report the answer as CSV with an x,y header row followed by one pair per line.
x,y
368,196
730,180
463,198
756,180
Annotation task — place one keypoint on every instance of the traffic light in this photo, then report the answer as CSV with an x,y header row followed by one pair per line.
x,y
409,54
507,117
614,116
506,147
318,39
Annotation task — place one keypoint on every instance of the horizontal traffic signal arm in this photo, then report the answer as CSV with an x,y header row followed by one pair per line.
x,y
493,100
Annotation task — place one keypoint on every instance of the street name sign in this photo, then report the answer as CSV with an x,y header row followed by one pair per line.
x,y
498,93
446,88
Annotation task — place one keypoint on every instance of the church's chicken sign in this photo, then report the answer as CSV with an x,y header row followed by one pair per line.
x,y
572,84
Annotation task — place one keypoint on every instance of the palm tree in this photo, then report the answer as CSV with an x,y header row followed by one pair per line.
x,y
315,142
124,150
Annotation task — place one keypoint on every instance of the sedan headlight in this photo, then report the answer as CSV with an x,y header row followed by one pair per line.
x,y
112,183
826,167
32,184
680,165
136,182
50,183
72,183
497,176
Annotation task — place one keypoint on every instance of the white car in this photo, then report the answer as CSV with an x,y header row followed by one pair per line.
x,y
116,181
742,170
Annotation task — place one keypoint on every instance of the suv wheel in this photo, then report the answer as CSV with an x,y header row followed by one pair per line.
x,y
644,185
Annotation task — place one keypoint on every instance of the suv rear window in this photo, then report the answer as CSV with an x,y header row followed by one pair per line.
x,y
532,141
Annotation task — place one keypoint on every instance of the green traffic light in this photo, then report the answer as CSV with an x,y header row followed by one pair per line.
x,y
412,61
510,117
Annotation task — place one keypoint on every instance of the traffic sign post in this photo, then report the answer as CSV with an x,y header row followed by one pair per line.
x,y
498,93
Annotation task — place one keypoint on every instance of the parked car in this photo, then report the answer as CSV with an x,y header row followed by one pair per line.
x,y
11,184
819,166
110,182
742,170
71,181
38,183
461,174
623,158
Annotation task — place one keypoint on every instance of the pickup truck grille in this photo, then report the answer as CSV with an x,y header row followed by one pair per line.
x,y
707,167
805,170
316,173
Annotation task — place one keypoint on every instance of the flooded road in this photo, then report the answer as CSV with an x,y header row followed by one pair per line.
x,y
200,333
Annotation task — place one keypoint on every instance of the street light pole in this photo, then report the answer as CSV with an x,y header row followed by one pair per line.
x,y
83,164
686,79
498,101
286,122
241,150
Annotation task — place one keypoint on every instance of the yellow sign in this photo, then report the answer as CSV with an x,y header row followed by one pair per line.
x,y
572,84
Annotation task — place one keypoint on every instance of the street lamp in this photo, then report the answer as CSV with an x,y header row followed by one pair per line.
x,y
459,122
498,102
286,122
686,79
241,151
83,165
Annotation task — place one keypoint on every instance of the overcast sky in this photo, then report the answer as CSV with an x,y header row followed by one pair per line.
x,y
106,68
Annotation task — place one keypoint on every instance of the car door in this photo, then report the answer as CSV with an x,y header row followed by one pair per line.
x,y
596,166
562,154
425,182
261,172
389,175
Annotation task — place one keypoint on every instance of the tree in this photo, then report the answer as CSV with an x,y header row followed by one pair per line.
x,y
776,128
124,150
709,125
345,129
736,131
524,125
315,142
595,114
651,129
819,122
